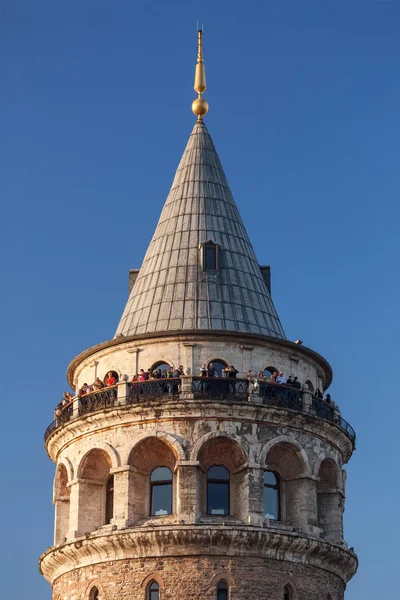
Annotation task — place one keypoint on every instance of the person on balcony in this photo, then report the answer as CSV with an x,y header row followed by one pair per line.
x,y
296,384
203,371
231,372
273,377
212,371
98,384
289,381
170,373
318,394
85,389
261,376
143,375
281,379
110,379
135,378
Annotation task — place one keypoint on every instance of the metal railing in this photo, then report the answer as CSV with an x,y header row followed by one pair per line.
x,y
100,399
153,389
220,388
208,388
287,397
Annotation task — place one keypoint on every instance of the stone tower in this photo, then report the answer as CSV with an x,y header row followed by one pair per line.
x,y
199,487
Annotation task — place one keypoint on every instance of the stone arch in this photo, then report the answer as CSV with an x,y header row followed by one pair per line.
x,y
214,434
167,437
219,449
68,465
93,472
330,500
301,453
287,458
152,577
218,359
225,576
291,590
310,386
321,458
61,495
107,451
148,454
94,584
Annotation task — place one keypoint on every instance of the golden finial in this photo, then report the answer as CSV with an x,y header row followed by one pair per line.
x,y
200,105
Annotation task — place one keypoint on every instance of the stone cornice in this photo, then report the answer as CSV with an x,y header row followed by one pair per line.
x,y
197,409
198,335
184,540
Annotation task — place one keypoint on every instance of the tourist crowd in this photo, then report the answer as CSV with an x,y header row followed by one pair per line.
x,y
209,371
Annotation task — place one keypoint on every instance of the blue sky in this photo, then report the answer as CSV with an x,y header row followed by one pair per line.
x,y
95,108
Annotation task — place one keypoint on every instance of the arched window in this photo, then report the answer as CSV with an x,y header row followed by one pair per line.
x,y
114,374
94,594
310,385
271,496
161,365
217,490
222,591
268,372
161,491
286,593
154,591
210,255
219,365
109,499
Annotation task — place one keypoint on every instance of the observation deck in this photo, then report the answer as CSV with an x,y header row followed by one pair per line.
x,y
255,393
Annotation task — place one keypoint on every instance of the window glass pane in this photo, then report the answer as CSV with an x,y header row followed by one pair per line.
x,y
218,498
269,477
218,472
153,595
161,500
222,591
271,503
161,474
210,257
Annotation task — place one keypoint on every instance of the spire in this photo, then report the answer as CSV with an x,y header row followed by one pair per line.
x,y
200,271
200,105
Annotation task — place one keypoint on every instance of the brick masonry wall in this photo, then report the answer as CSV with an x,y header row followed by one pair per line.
x,y
197,578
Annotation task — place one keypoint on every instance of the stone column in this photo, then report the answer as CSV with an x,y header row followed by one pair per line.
x,y
123,496
123,393
186,388
186,472
256,495
300,497
189,357
246,359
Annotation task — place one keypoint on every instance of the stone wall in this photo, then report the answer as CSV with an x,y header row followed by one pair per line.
x,y
197,578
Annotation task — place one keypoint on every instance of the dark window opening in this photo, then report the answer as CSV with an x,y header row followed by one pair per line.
x,y
219,366
210,257
217,490
271,496
110,499
222,591
94,594
161,492
286,593
154,591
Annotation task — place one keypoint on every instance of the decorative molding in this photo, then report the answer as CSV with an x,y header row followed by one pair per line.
x,y
226,540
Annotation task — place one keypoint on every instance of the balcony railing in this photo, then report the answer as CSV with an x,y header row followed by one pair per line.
x,y
216,388
287,397
207,388
153,389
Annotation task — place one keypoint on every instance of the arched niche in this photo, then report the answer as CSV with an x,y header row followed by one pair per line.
x,y
228,453
330,500
93,472
288,460
148,455
62,495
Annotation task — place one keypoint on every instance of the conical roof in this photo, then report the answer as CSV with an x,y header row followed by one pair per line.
x,y
173,291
